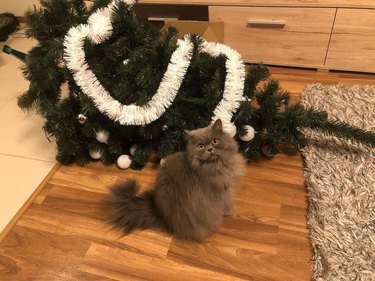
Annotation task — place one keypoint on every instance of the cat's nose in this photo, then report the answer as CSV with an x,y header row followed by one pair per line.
x,y
209,149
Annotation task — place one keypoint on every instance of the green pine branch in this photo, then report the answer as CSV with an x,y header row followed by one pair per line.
x,y
310,118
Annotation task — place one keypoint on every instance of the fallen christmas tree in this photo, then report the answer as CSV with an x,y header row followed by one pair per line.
x,y
130,85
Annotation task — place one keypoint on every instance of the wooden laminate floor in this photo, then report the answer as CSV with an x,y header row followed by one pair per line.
x,y
63,235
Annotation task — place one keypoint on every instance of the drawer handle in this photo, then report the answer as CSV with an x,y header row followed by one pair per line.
x,y
267,23
163,19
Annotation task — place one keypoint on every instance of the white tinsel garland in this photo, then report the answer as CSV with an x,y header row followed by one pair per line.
x,y
99,29
234,83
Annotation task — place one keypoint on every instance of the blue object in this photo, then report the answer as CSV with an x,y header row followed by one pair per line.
x,y
17,54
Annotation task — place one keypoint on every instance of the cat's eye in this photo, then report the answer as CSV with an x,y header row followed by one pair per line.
x,y
201,146
215,141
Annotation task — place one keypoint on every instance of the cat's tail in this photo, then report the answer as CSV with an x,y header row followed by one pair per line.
x,y
129,211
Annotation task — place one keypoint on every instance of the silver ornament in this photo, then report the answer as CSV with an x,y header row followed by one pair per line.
x,y
95,154
102,136
250,132
124,161
82,118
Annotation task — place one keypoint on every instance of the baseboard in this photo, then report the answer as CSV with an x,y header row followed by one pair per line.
x,y
21,19
27,204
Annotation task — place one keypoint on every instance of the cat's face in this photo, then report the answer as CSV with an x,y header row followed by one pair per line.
x,y
209,145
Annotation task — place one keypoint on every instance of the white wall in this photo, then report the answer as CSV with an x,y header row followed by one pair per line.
x,y
16,7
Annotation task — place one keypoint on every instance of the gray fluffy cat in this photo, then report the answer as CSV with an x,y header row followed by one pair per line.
x,y
193,190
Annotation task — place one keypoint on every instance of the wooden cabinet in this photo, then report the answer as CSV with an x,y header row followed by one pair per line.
x,y
352,45
314,37
325,34
286,36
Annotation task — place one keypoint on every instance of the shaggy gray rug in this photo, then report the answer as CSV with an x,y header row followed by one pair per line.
x,y
340,180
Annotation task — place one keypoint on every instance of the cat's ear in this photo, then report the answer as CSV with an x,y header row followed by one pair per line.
x,y
217,126
187,134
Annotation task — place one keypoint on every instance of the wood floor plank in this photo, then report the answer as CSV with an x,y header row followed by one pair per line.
x,y
272,193
124,265
275,169
29,254
80,275
293,238
83,179
64,235
54,220
81,202
257,212
237,261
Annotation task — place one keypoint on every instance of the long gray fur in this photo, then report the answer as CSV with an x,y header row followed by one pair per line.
x,y
193,189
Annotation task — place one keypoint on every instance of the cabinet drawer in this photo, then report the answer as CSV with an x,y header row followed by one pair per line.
x,y
352,45
287,36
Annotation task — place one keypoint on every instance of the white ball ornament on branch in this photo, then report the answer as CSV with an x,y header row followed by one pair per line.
x,y
124,161
95,154
102,136
250,133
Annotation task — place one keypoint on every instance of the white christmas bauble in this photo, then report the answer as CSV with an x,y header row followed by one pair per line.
x,y
102,136
95,154
123,161
133,148
162,161
250,133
